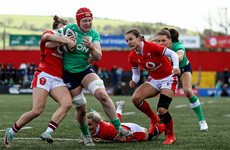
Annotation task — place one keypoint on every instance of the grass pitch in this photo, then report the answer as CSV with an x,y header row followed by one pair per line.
x,y
67,135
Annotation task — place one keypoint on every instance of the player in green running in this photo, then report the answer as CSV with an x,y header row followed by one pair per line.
x,y
169,38
78,74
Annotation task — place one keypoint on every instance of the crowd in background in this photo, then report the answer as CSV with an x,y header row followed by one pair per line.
x,y
23,76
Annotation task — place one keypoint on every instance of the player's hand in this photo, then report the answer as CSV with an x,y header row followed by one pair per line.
x,y
176,71
87,42
90,60
132,83
98,140
71,44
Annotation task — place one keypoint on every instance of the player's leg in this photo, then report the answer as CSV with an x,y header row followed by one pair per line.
x,y
80,104
163,105
144,91
96,86
39,100
61,95
120,105
186,79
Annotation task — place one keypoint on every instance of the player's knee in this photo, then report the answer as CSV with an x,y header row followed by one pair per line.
x,y
79,100
136,100
188,92
37,112
68,105
96,84
161,111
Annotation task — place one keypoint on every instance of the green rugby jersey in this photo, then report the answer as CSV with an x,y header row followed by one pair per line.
x,y
176,46
76,61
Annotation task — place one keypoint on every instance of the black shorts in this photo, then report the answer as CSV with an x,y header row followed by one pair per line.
x,y
73,80
187,68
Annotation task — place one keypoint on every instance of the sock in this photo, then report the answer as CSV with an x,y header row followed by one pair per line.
x,y
84,129
52,126
145,108
119,116
195,105
14,129
119,109
116,123
168,122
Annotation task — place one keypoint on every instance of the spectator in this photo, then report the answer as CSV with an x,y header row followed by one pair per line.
x,y
119,75
114,75
22,70
224,91
226,76
217,87
11,82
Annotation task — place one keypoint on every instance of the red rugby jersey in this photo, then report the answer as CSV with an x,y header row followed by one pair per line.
x,y
51,59
152,59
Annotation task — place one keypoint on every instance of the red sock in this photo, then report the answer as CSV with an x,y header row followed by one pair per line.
x,y
145,108
169,128
15,128
53,125
119,116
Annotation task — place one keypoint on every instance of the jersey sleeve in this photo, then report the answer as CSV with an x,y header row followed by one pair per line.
x,y
96,37
178,47
131,61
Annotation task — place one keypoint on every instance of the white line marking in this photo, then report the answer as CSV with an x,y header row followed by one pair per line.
x,y
55,139
181,106
21,128
228,115
128,113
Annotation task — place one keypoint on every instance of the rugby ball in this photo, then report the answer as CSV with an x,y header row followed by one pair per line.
x,y
68,32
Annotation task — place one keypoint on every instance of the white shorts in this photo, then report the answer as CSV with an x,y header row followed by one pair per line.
x,y
169,82
46,81
138,132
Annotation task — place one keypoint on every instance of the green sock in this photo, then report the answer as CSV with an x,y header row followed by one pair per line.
x,y
116,123
84,129
195,105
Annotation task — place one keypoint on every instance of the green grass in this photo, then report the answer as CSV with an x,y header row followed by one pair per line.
x,y
186,128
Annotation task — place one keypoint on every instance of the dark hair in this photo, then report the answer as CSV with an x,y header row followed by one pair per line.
x,y
136,33
57,21
170,33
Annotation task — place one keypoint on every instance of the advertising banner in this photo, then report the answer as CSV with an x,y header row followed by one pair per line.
x,y
217,41
25,40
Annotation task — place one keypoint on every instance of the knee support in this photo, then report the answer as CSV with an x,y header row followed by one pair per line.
x,y
165,118
79,100
164,101
93,86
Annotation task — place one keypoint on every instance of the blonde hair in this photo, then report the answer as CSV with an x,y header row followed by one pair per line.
x,y
95,116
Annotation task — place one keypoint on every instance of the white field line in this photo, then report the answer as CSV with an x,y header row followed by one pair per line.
x,y
228,115
128,113
21,128
55,139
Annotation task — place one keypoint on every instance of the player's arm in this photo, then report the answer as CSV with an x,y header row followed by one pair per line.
x,y
175,60
180,54
57,39
118,140
95,48
136,75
